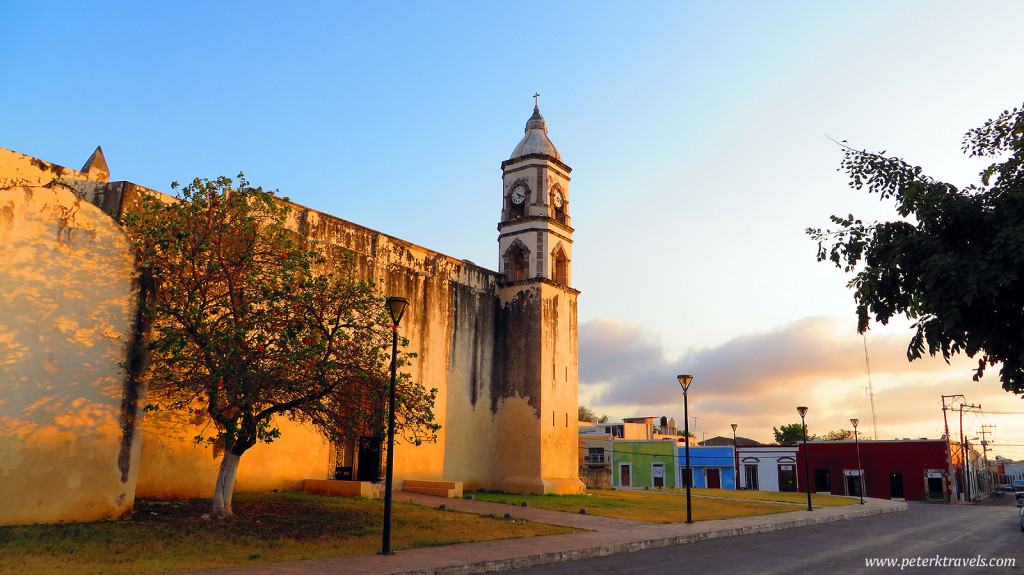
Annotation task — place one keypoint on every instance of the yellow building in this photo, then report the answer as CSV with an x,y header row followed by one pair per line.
x,y
501,347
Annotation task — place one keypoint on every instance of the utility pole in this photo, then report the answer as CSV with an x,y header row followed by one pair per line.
x,y
963,452
945,422
984,442
984,449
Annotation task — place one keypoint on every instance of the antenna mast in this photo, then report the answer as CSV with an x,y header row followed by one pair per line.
x,y
871,390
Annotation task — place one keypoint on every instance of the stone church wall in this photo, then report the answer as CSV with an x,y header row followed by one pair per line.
x,y
69,433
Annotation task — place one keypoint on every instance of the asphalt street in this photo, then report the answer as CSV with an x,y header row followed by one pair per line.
x,y
928,538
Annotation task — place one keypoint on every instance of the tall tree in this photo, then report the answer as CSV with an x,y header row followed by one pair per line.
x,y
790,434
954,261
249,325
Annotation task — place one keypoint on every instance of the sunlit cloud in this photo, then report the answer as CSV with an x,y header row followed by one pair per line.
x,y
757,379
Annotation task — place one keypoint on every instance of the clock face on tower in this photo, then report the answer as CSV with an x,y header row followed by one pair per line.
x,y
518,195
558,198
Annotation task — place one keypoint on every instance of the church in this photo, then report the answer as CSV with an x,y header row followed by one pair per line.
x,y
500,346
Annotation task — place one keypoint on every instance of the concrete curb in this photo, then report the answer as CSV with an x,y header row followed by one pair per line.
x,y
511,563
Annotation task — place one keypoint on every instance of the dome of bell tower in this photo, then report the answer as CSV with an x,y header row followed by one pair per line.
x,y
536,140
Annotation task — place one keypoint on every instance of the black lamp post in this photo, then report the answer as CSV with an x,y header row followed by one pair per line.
x,y
736,459
684,381
396,307
860,472
807,474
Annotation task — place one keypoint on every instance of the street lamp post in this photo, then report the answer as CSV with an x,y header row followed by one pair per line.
x,y
684,381
396,307
736,459
807,477
860,472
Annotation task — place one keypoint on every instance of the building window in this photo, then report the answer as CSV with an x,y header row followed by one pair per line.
x,y
517,260
561,265
594,455
750,476
658,474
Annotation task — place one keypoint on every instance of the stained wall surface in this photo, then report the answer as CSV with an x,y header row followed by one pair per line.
x,y
504,359
69,442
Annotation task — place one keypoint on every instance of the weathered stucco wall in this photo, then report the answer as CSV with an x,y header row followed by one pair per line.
x,y
68,439
502,358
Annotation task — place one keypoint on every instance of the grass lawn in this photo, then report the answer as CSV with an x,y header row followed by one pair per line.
x,y
169,536
654,506
822,500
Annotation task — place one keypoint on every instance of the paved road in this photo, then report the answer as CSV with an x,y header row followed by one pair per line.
x,y
990,530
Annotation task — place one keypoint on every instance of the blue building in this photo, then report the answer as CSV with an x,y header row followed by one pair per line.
x,y
713,467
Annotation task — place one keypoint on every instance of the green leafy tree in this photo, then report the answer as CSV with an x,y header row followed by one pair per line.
x,y
790,434
954,261
248,325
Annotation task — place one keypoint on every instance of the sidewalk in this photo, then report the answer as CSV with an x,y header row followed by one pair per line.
x,y
605,536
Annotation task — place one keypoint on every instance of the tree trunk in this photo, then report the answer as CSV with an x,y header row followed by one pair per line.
x,y
225,485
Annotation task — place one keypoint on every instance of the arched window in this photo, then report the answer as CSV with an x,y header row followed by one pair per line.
x,y
561,265
517,262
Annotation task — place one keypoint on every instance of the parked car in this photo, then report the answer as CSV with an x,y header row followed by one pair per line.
x,y
1020,513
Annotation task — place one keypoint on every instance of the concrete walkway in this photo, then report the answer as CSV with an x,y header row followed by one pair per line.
x,y
605,536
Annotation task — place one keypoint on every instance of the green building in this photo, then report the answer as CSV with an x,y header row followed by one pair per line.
x,y
644,463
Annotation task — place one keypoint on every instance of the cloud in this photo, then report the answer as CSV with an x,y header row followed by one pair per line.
x,y
758,379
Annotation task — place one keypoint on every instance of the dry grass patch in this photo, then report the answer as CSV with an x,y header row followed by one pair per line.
x,y
649,506
169,536
817,499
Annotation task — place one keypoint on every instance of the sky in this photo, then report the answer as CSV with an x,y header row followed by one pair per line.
x,y
702,138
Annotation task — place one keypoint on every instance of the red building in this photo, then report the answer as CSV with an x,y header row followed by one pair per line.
x,y
909,469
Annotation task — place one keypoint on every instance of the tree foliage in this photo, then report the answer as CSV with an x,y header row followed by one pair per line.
x,y
249,325
839,435
954,261
790,434
586,414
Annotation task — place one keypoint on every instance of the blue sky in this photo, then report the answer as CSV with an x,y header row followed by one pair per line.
x,y
698,133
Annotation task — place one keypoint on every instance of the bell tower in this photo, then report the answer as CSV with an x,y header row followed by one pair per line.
x,y
536,375
535,231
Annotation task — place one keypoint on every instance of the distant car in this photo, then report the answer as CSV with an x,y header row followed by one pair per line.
x,y
1020,513
1018,492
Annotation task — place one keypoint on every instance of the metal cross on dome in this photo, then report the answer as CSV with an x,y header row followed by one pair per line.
x,y
535,96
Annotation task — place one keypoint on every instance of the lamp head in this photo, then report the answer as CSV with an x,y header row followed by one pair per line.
x,y
733,426
684,380
854,422
396,307
802,411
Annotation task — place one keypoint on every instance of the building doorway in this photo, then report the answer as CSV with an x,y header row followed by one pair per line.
x,y
713,478
658,474
369,459
625,475
896,486
787,477
822,481
853,484
936,487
